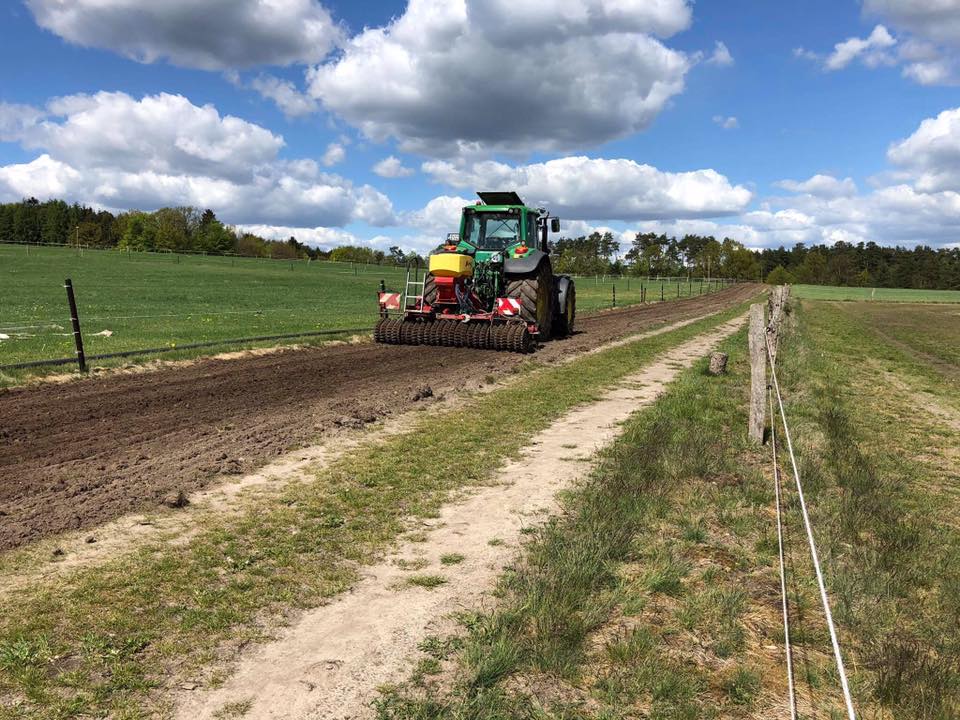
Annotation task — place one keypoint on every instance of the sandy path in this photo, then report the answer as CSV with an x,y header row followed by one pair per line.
x,y
330,662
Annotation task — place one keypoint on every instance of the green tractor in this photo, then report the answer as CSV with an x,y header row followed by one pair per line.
x,y
490,286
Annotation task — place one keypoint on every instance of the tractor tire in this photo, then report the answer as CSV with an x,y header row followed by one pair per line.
x,y
429,290
535,293
567,315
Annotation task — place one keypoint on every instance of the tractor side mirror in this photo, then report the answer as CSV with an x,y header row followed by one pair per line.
x,y
555,224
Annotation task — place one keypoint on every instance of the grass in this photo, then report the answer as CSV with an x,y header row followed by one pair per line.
x,y
149,300
829,292
654,593
100,640
426,581
928,334
452,559
591,616
161,301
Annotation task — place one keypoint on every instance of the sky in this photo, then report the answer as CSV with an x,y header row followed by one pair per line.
x,y
374,122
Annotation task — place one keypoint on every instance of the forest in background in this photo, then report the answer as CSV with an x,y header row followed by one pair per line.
x,y
188,229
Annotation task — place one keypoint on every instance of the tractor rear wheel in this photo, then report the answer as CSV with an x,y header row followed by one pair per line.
x,y
535,293
429,290
568,313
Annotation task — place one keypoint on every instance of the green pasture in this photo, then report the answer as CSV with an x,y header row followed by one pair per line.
x,y
827,292
132,301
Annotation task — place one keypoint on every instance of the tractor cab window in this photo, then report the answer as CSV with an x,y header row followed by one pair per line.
x,y
492,231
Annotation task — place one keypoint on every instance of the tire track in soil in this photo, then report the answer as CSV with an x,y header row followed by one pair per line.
x,y
77,454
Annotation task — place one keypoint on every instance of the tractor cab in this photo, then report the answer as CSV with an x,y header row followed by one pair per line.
x,y
501,226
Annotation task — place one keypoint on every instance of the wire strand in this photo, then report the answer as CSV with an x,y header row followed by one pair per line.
x,y
838,657
788,648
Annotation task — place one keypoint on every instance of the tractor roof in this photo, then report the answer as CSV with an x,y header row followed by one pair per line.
x,y
500,198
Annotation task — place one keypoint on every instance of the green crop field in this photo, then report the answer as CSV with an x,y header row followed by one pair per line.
x,y
827,292
131,301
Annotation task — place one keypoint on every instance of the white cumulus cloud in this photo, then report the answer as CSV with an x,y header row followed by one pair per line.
x,y
925,47
284,93
721,55
450,77
872,50
119,152
211,35
932,153
160,133
727,123
597,188
392,167
439,216
821,186
334,154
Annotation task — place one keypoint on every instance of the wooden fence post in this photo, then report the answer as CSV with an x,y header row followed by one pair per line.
x,y
75,321
775,304
758,374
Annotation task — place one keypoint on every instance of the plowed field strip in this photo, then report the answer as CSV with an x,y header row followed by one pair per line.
x,y
78,454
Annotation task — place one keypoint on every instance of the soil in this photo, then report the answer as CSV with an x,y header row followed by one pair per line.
x,y
328,664
75,455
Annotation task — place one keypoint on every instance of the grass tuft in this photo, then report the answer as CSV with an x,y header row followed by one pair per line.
x,y
426,581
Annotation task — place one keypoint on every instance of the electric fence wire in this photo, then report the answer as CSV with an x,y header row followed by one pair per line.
x,y
838,657
788,648
197,313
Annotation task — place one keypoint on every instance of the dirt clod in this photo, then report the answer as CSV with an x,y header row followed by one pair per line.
x,y
176,500
421,393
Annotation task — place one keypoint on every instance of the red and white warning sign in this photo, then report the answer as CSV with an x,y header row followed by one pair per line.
x,y
508,306
390,301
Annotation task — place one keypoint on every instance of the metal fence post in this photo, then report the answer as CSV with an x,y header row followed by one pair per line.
x,y
614,295
75,321
661,291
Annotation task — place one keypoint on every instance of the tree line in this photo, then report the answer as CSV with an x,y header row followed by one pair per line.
x,y
188,229
862,264
656,255
171,229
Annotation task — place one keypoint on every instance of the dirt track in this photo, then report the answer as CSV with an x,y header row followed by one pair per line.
x,y
78,454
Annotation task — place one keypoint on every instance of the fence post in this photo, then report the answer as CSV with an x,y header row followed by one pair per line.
x,y
661,291
643,294
758,374
75,321
383,286
614,295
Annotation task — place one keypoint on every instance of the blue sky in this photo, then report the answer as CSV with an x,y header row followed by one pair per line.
x,y
373,122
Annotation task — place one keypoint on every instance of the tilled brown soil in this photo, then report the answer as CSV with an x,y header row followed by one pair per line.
x,y
75,455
